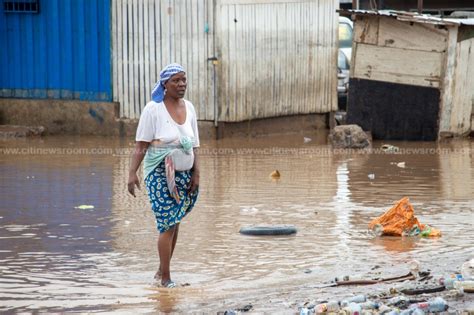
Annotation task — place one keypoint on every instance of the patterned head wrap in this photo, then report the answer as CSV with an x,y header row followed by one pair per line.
x,y
158,93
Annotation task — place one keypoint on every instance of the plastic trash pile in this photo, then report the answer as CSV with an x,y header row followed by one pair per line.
x,y
404,299
400,220
457,282
460,283
358,305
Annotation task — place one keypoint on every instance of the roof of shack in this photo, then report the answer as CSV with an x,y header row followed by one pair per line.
x,y
411,17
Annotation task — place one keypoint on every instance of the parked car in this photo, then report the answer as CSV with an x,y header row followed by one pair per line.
x,y
343,60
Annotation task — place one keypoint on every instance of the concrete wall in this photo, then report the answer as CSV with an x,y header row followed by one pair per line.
x,y
62,116
76,118
93,118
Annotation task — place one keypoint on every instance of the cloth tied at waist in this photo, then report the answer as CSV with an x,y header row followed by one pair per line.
x,y
164,151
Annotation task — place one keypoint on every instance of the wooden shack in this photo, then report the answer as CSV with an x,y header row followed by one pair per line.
x,y
412,76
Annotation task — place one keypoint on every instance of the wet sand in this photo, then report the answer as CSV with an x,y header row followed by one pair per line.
x,y
56,257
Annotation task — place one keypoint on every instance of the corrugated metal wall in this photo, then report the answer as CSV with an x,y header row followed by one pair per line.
x,y
61,52
147,35
459,108
277,58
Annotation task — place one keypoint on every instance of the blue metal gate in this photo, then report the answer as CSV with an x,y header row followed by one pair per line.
x,y
61,52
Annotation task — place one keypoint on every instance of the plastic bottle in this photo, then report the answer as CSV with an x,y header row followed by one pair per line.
x,y
306,311
465,286
437,304
455,293
448,282
369,305
417,311
414,267
412,311
383,309
352,309
355,299
331,306
378,230
397,300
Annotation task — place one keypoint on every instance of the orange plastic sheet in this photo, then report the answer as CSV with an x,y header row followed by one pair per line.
x,y
400,220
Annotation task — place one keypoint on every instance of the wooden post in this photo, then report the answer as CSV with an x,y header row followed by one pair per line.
x,y
420,6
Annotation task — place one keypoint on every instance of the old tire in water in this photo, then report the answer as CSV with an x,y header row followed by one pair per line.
x,y
269,230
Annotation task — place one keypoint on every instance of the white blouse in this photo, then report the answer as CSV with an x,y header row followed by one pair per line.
x,y
157,124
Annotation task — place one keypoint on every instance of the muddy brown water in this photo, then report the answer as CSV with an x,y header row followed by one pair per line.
x,y
57,257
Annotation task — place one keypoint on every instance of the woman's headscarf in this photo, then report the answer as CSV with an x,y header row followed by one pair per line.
x,y
158,93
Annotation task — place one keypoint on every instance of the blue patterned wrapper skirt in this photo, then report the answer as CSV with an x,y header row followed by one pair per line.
x,y
167,211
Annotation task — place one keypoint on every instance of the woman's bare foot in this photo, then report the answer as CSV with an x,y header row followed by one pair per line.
x,y
158,274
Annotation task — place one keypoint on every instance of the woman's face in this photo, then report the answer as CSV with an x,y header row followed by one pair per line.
x,y
176,85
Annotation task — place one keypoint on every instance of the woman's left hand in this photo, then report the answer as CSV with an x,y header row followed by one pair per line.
x,y
194,184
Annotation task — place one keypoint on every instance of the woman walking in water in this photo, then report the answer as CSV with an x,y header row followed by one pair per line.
x,y
166,140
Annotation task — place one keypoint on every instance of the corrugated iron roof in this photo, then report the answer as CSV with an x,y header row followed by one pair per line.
x,y
411,17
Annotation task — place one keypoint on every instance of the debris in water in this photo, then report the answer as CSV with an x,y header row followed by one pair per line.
x,y
84,207
275,174
246,308
388,148
400,220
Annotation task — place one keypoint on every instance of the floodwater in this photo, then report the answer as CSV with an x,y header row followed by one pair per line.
x,y
56,257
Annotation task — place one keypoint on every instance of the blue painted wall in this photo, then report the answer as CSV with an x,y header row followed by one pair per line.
x,y
63,52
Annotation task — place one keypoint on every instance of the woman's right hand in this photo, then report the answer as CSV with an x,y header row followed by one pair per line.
x,y
137,157
132,182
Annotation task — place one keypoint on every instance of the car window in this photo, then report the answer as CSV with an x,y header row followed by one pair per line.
x,y
342,62
345,35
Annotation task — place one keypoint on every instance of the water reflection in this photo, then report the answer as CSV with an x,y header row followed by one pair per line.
x,y
56,257
167,300
395,244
